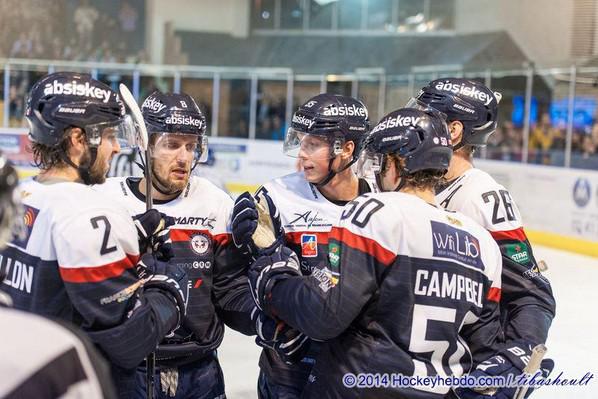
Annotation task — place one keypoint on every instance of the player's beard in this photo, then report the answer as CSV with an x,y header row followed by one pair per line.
x,y
97,171
166,185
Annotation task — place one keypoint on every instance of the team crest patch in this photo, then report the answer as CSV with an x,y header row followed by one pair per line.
x,y
334,255
21,238
200,244
309,245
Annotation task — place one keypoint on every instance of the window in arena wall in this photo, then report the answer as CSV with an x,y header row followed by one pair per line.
x,y
291,14
233,116
321,14
202,91
271,110
149,84
379,14
263,14
507,142
350,14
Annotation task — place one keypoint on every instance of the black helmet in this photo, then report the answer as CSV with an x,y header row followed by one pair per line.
x,y
338,119
420,137
9,205
65,99
466,101
172,113
176,114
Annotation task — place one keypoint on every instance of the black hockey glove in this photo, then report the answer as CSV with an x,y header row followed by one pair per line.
x,y
266,270
169,279
289,344
153,230
511,360
256,227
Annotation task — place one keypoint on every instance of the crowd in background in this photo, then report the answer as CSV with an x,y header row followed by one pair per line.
x,y
113,31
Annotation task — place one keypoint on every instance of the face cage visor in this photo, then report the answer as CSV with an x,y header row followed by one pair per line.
x,y
123,131
369,164
422,106
170,146
299,144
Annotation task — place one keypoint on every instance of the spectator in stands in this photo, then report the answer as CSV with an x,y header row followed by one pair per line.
x,y
22,46
541,139
85,17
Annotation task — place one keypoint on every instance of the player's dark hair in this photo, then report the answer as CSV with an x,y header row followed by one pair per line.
x,y
47,157
420,180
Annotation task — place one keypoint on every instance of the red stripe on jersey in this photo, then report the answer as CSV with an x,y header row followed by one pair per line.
x,y
295,237
177,235
517,234
96,274
363,244
494,294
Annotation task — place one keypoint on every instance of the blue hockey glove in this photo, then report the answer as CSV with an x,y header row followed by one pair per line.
x,y
266,270
509,361
289,344
153,230
254,233
170,279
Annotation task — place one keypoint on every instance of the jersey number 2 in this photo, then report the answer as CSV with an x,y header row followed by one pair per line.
x,y
94,223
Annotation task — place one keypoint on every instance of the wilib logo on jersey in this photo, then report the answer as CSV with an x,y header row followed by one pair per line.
x,y
452,243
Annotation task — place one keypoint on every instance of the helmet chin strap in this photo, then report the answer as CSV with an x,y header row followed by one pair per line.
x,y
156,183
84,169
161,188
332,173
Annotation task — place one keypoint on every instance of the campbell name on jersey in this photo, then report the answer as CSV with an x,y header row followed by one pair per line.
x,y
75,259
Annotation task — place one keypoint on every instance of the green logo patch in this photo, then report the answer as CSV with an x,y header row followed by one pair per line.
x,y
334,254
518,252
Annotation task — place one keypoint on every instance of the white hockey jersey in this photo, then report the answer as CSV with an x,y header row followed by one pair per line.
x,y
76,263
476,194
202,245
528,304
75,239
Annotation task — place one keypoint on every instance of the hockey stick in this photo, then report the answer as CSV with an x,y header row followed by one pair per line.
x,y
532,366
143,142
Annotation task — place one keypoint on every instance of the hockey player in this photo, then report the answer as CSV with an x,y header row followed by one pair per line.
x,y
326,136
409,289
78,256
186,363
41,359
527,304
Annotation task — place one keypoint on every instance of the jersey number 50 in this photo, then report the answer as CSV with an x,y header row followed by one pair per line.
x,y
363,208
